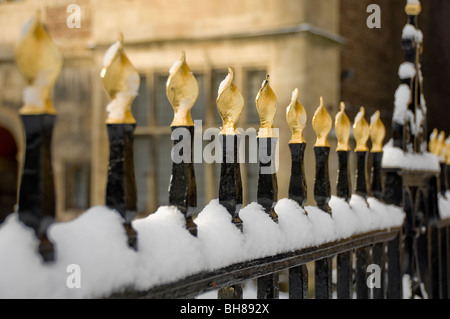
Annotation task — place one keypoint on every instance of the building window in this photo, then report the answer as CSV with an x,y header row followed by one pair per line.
x,y
152,146
77,178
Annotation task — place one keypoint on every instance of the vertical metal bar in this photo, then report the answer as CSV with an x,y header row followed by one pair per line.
x,y
267,193
297,183
361,174
447,256
232,292
298,282
444,262
322,190
376,186
395,273
268,287
344,184
362,261
230,186
435,249
344,275
323,278
379,259
121,185
37,190
443,179
183,188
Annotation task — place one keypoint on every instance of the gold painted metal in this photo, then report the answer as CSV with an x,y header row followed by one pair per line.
x,y
440,145
322,124
120,78
342,127
361,131
40,62
296,118
433,141
447,151
377,133
413,8
266,105
182,92
230,104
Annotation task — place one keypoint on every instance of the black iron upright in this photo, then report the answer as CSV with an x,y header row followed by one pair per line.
x,y
296,118
322,124
121,184
40,62
230,186
267,193
230,103
121,81
37,190
182,92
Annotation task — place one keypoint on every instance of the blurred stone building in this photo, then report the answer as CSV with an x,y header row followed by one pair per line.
x,y
322,47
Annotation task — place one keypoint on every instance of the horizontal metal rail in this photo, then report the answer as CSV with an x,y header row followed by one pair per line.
x,y
196,284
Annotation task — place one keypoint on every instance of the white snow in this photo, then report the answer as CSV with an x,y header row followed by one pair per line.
x,y
444,205
175,66
33,94
118,106
223,84
394,157
111,53
96,241
402,97
406,70
409,32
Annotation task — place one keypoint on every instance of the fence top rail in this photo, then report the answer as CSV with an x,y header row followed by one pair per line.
x,y
238,273
167,252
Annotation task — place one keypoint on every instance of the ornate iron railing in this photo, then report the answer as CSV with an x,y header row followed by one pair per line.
x,y
414,249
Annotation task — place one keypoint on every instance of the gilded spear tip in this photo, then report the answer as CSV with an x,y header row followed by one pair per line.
x,y
121,81
433,141
296,118
266,105
182,92
230,103
39,61
377,133
343,127
361,131
322,124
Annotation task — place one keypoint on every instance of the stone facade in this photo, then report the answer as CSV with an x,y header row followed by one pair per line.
x,y
304,44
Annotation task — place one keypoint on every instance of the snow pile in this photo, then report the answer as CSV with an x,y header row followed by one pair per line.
x,y
394,157
402,96
406,70
410,32
96,242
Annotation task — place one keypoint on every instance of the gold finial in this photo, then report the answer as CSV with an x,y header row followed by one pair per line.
x,y
377,133
440,145
266,105
361,131
121,81
433,141
413,7
342,127
182,92
296,118
40,62
447,151
322,124
230,103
